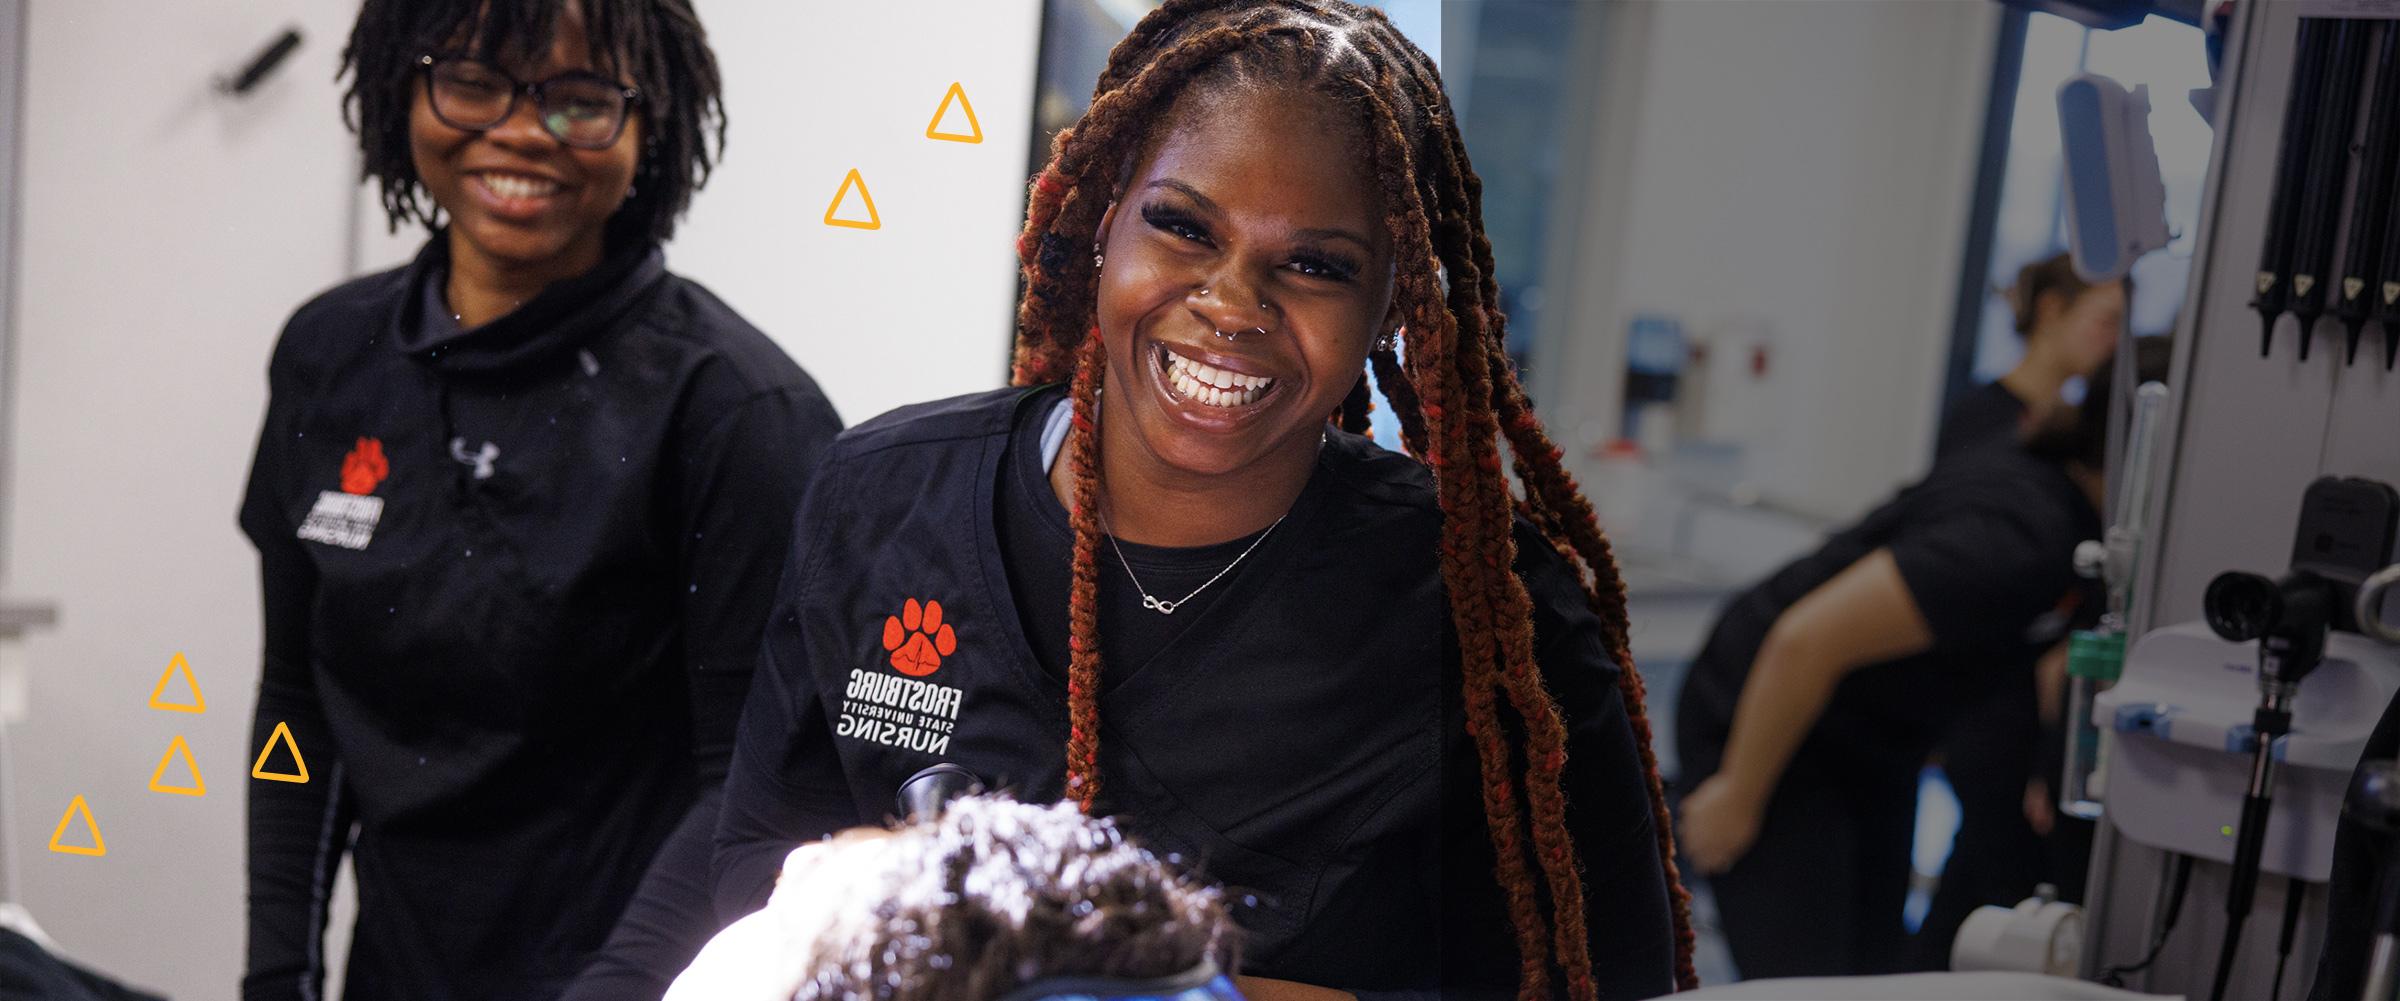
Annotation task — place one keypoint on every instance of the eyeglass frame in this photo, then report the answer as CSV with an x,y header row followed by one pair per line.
x,y
519,90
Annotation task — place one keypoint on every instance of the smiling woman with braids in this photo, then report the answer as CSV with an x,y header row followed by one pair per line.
x,y
1385,701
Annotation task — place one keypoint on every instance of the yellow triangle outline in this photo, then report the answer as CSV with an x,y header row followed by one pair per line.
x,y
258,769
199,703
933,128
99,844
199,786
873,220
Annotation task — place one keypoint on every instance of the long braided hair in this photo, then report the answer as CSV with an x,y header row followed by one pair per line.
x,y
1451,387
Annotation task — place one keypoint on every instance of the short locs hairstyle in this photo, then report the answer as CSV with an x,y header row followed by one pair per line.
x,y
659,45
993,894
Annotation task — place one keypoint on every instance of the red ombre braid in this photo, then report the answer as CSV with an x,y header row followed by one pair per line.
x,y
1083,603
1451,386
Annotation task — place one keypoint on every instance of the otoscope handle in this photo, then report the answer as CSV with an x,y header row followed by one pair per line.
x,y
2249,844
2328,168
2291,166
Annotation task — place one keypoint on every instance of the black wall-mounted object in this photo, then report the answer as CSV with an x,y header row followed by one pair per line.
x,y
2273,286
2348,529
262,65
2372,254
2328,174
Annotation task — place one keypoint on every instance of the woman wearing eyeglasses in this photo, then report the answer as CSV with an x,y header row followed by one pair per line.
x,y
519,509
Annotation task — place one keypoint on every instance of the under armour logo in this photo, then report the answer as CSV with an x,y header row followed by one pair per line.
x,y
481,460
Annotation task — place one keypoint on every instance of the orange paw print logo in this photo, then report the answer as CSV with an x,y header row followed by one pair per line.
x,y
918,638
364,468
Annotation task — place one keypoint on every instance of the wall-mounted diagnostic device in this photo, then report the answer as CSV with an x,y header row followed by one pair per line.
x,y
2207,715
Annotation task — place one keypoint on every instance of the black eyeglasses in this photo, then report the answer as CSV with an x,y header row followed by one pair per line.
x,y
584,110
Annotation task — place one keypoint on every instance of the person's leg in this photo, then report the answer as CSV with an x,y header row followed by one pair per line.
x,y
1884,809
1789,907
1997,857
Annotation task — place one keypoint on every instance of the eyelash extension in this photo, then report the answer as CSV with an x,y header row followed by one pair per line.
x,y
1334,268
1171,222
1328,266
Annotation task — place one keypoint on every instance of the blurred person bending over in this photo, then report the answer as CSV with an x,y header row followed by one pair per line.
x,y
1823,689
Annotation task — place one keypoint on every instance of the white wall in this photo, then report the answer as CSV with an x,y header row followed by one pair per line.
x,y
923,307
1807,165
919,309
167,232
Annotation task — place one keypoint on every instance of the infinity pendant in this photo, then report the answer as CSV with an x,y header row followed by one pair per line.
x,y
1161,607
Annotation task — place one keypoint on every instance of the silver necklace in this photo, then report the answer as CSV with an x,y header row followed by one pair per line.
x,y
1163,607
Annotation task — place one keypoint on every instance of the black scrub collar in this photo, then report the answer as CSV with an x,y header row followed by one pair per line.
x,y
553,323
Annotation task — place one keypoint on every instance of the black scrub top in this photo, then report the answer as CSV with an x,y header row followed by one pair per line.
x,y
514,579
1296,733
1985,545
1988,416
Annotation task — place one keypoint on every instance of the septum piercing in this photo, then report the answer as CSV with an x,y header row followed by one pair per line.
x,y
1238,333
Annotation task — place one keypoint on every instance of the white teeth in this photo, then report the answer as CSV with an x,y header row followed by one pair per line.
x,y
513,186
1213,386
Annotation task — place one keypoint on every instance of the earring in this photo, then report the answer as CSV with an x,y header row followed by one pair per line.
x,y
1097,261
1383,342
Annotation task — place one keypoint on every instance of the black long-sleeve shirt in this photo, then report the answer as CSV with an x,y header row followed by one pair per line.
x,y
1299,738
514,579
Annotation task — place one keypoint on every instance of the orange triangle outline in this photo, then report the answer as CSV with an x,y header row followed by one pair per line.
x,y
99,844
873,220
199,703
258,769
199,786
933,128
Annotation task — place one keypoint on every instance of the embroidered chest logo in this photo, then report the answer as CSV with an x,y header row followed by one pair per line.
x,y
903,712
918,638
481,459
347,517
